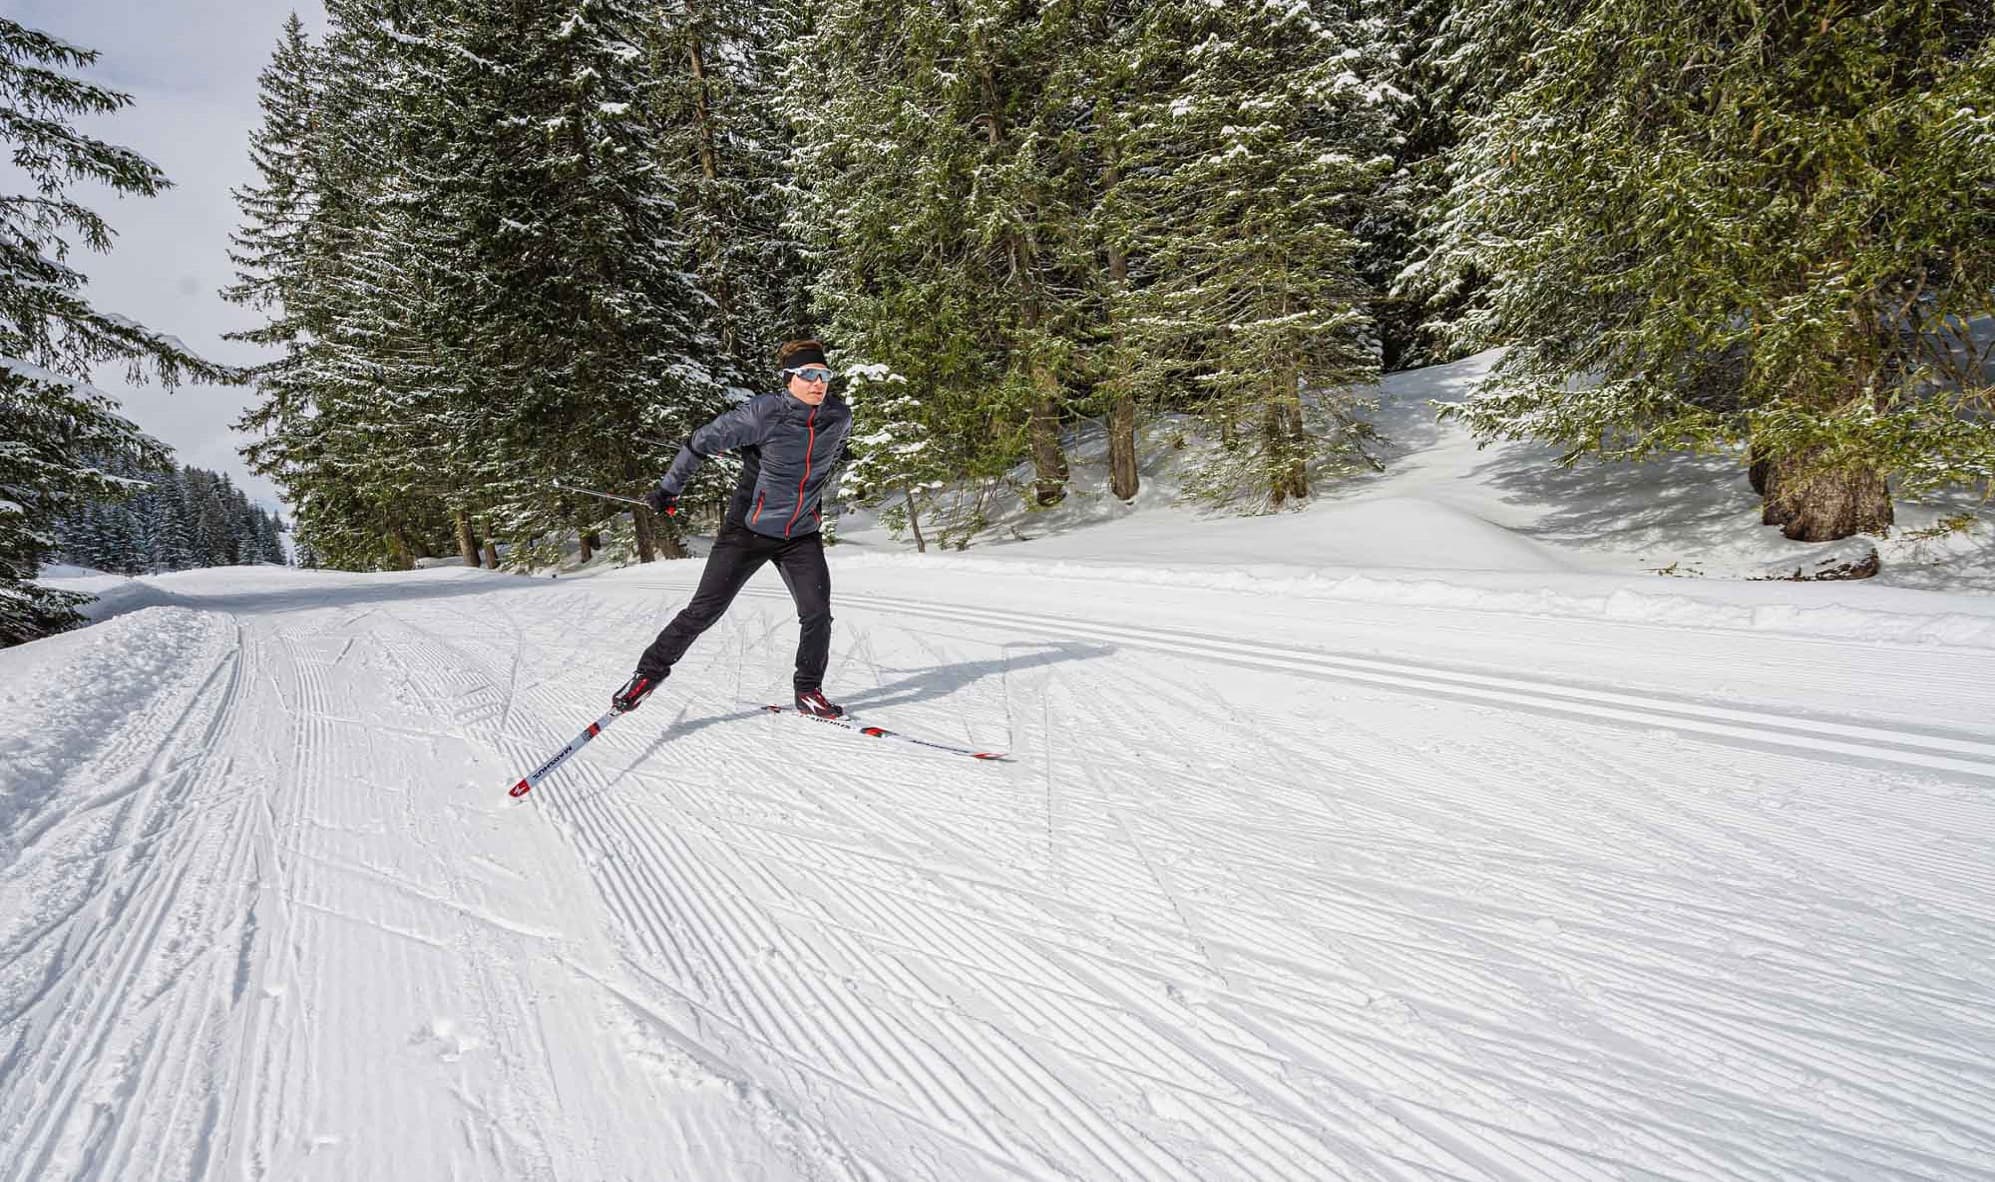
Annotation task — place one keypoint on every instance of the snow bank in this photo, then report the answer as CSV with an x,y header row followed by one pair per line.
x,y
222,588
61,697
113,595
125,597
1844,611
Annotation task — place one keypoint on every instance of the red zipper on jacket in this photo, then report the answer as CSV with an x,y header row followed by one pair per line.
x,y
810,444
757,516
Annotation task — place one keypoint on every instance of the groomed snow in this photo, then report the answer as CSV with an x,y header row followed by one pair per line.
x,y
1493,857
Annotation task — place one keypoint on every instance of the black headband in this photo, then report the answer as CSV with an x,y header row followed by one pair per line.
x,y
803,358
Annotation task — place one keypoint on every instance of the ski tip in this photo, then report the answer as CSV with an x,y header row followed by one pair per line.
x,y
987,754
520,789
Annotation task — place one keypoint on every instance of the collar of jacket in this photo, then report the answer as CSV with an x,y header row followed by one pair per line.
x,y
797,406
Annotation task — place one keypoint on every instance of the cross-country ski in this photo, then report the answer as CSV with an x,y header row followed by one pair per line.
x,y
877,732
527,782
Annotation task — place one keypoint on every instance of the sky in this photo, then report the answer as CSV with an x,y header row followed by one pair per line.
x,y
190,67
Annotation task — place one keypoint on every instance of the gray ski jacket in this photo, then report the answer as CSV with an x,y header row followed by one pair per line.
x,y
790,452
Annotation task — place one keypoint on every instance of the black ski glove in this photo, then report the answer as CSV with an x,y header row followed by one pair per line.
x,y
661,502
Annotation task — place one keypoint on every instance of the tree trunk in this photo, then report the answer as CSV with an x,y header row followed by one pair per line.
x,y
647,538
914,522
1814,504
403,550
587,549
1123,479
491,554
663,535
467,543
1281,435
1050,488
703,130
703,101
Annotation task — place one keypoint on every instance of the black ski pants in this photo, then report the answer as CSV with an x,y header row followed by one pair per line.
x,y
738,552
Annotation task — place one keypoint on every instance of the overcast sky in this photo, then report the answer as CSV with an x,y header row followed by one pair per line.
x,y
190,67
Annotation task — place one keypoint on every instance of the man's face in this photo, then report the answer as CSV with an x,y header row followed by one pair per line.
x,y
810,383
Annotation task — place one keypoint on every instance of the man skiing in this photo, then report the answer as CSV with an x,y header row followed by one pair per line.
x,y
790,444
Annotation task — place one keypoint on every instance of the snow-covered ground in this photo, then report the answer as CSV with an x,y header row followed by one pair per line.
x,y
1397,838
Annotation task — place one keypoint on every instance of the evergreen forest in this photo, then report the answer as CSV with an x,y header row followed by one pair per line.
x,y
498,248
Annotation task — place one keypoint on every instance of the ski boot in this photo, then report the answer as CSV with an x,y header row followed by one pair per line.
x,y
813,702
634,692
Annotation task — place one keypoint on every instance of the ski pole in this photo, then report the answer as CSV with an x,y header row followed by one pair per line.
x,y
594,493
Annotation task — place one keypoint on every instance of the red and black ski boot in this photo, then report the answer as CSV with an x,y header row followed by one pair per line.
x,y
815,703
634,692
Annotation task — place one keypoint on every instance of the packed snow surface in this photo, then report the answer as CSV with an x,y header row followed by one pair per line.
x,y
1494,858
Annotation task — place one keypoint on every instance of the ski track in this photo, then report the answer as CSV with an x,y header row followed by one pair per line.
x,y
1239,908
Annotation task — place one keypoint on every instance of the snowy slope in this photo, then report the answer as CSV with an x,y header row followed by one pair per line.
x,y
1443,503
1424,833
1275,886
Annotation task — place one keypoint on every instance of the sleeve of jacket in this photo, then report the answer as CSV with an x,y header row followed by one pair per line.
x,y
744,425
827,497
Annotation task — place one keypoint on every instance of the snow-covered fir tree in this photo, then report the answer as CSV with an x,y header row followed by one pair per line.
x,y
944,210
52,422
271,248
1456,60
341,245
712,87
1102,77
896,453
494,290
1421,86
587,330
178,519
1258,143
1740,226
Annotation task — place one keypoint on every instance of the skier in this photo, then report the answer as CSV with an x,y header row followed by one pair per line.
x,y
790,443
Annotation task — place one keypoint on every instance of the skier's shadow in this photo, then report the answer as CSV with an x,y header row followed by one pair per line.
x,y
919,685
939,681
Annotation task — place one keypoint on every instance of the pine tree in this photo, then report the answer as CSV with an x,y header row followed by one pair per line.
x,y
288,267
174,545
50,336
346,245
897,452
944,203
271,539
1456,59
271,249
1103,78
1742,226
1256,151
586,329
711,86
127,549
487,290
1422,83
